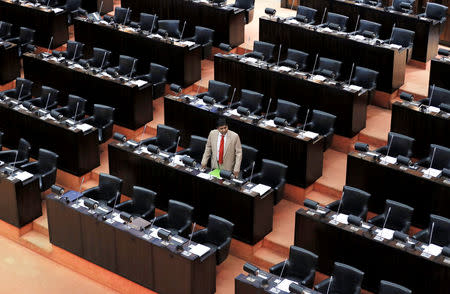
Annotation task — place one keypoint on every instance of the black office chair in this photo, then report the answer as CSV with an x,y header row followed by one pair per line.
x,y
147,22
44,168
196,148
74,51
171,26
295,59
323,124
329,68
217,90
141,205
402,6
272,174
437,96
305,15
73,8
249,155
178,219
435,11
22,91
404,38
250,100
441,231
107,191
75,105
346,280
19,156
287,110
376,3
399,218
216,236
392,288
300,267
24,41
354,201
127,67
262,50
399,145
368,29
5,30
441,158
204,37
121,16
99,59
102,120
48,98
248,6
337,22
157,77
50,3
367,79
166,138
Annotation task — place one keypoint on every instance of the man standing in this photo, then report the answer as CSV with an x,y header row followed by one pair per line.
x,y
224,148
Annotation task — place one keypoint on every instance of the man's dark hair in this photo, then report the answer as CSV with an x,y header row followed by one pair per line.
x,y
221,122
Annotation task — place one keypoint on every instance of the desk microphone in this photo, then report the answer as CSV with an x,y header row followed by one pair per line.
x,y
268,106
340,203
431,96
389,147
14,163
114,207
100,10
390,39
20,92
48,2
386,218
75,52
282,270
292,5
323,16
279,52
329,285
356,25
251,174
306,119
153,24
49,45
432,159
232,98
82,181
48,100
178,142
192,234
142,135
431,233
315,62
75,115
126,16
182,31
351,73
132,68
103,60
151,225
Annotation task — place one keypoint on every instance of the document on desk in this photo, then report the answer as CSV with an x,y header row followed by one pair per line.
x,y
23,176
270,123
138,83
284,285
341,218
261,189
431,172
395,46
199,249
311,135
204,176
84,127
433,249
386,233
433,109
57,10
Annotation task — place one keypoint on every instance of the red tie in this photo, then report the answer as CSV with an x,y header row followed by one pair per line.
x,y
221,150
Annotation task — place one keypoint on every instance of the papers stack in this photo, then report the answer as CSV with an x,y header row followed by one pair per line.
x,y
389,159
355,88
270,123
261,189
23,176
84,127
386,233
204,176
138,83
311,135
433,249
395,46
284,285
318,78
341,218
432,172
433,109
198,249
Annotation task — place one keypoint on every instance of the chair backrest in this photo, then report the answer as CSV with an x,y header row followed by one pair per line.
x,y
72,5
244,4
346,279
300,262
147,21
126,64
441,232
203,35
272,172
392,288
26,35
365,77
354,201
251,99
286,109
179,214
122,15
103,114
23,150
218,90
435,11
397,4
248,156
337,19
400,144
166,136
100,58
441,158
143,198
71,46
219,229
158,73
365,25
109,186
25,85
46,160
50,94
331,65
402,37
399,217
309,13
72,102
197,146
298,56
440,95
322,121
171,26
265,48
5,29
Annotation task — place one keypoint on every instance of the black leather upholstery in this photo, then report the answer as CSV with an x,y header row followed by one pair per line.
x,y
166,138
306,14
23,87
249,155
158,78
48,98
365,78
392,288
272,174
248,5
399,218
178,219
127,66
346,280
73,9
400,145
329,67
295,59
262,50
24,40
354,201
441,231
22,153
196,148
5,30
336,21
44,168
99,59
74,50
171,26
397,5
323,124
435,11
365,25
204,37
74,105
438,96
102,120
440,160
107,191
141,205
217,90
121,16
402,37
250,100
147,22
287,110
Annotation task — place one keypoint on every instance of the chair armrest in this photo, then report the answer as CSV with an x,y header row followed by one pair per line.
x,y
183,152
223,250
124,204
382,150
149,213
192,39
48,173
422,235
405,229
421,15
322,286
376,220
257,110
424,101
280,186
330,133
88,193
309,126
13,40
199,236
276,269
109,124
107,18
256,55
424,162
30,167
161,221
293,121
309,279
333,205
114,199
88,120
254,177
134,24
148,141
183,230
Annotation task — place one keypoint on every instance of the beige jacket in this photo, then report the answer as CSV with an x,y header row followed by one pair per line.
x,y
232,153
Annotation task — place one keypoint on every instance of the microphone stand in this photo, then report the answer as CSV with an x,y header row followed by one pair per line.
x,y
182,31
268,106
232,98
351,73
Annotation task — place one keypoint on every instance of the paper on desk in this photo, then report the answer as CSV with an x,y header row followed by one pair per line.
x,y
261,189
117,218
177,160
284,285
103,22
250,59
292,21
138,83
284,68
389,159
319,78
395,46
188,43
327,30
204,176
23,176
311,135
233,112
342,218
270,123
359,37
433,109
433,249
386,233
154,233
84,127
57,10
355,87
199,249
432,172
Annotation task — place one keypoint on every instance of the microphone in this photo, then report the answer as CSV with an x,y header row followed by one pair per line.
x,y
323,16
251,174
390,144
75,115
268,106
142,135
279,52
48,2
431,234
351,73
431,96
114,207
82,181
132,68
292,5
390,39
198,90
75,52
340,203
315,62
126,16
14,163
103,60
49,45
48,100
232,98
386,218
306,119
151,225
178,142
356,25
153,24
432,159
20,92
329,285
182,31
100,10
192,234
282,270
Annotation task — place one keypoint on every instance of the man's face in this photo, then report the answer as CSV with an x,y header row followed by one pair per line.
x,y
223,129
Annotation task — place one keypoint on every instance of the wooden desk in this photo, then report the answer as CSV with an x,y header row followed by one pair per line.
x,y
251,214
439,70
127,251
349,106
227,22
20,202
304,157
10,62
389,63
78,151
184,62
389,260
394,182
426,128
45,21
133,104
